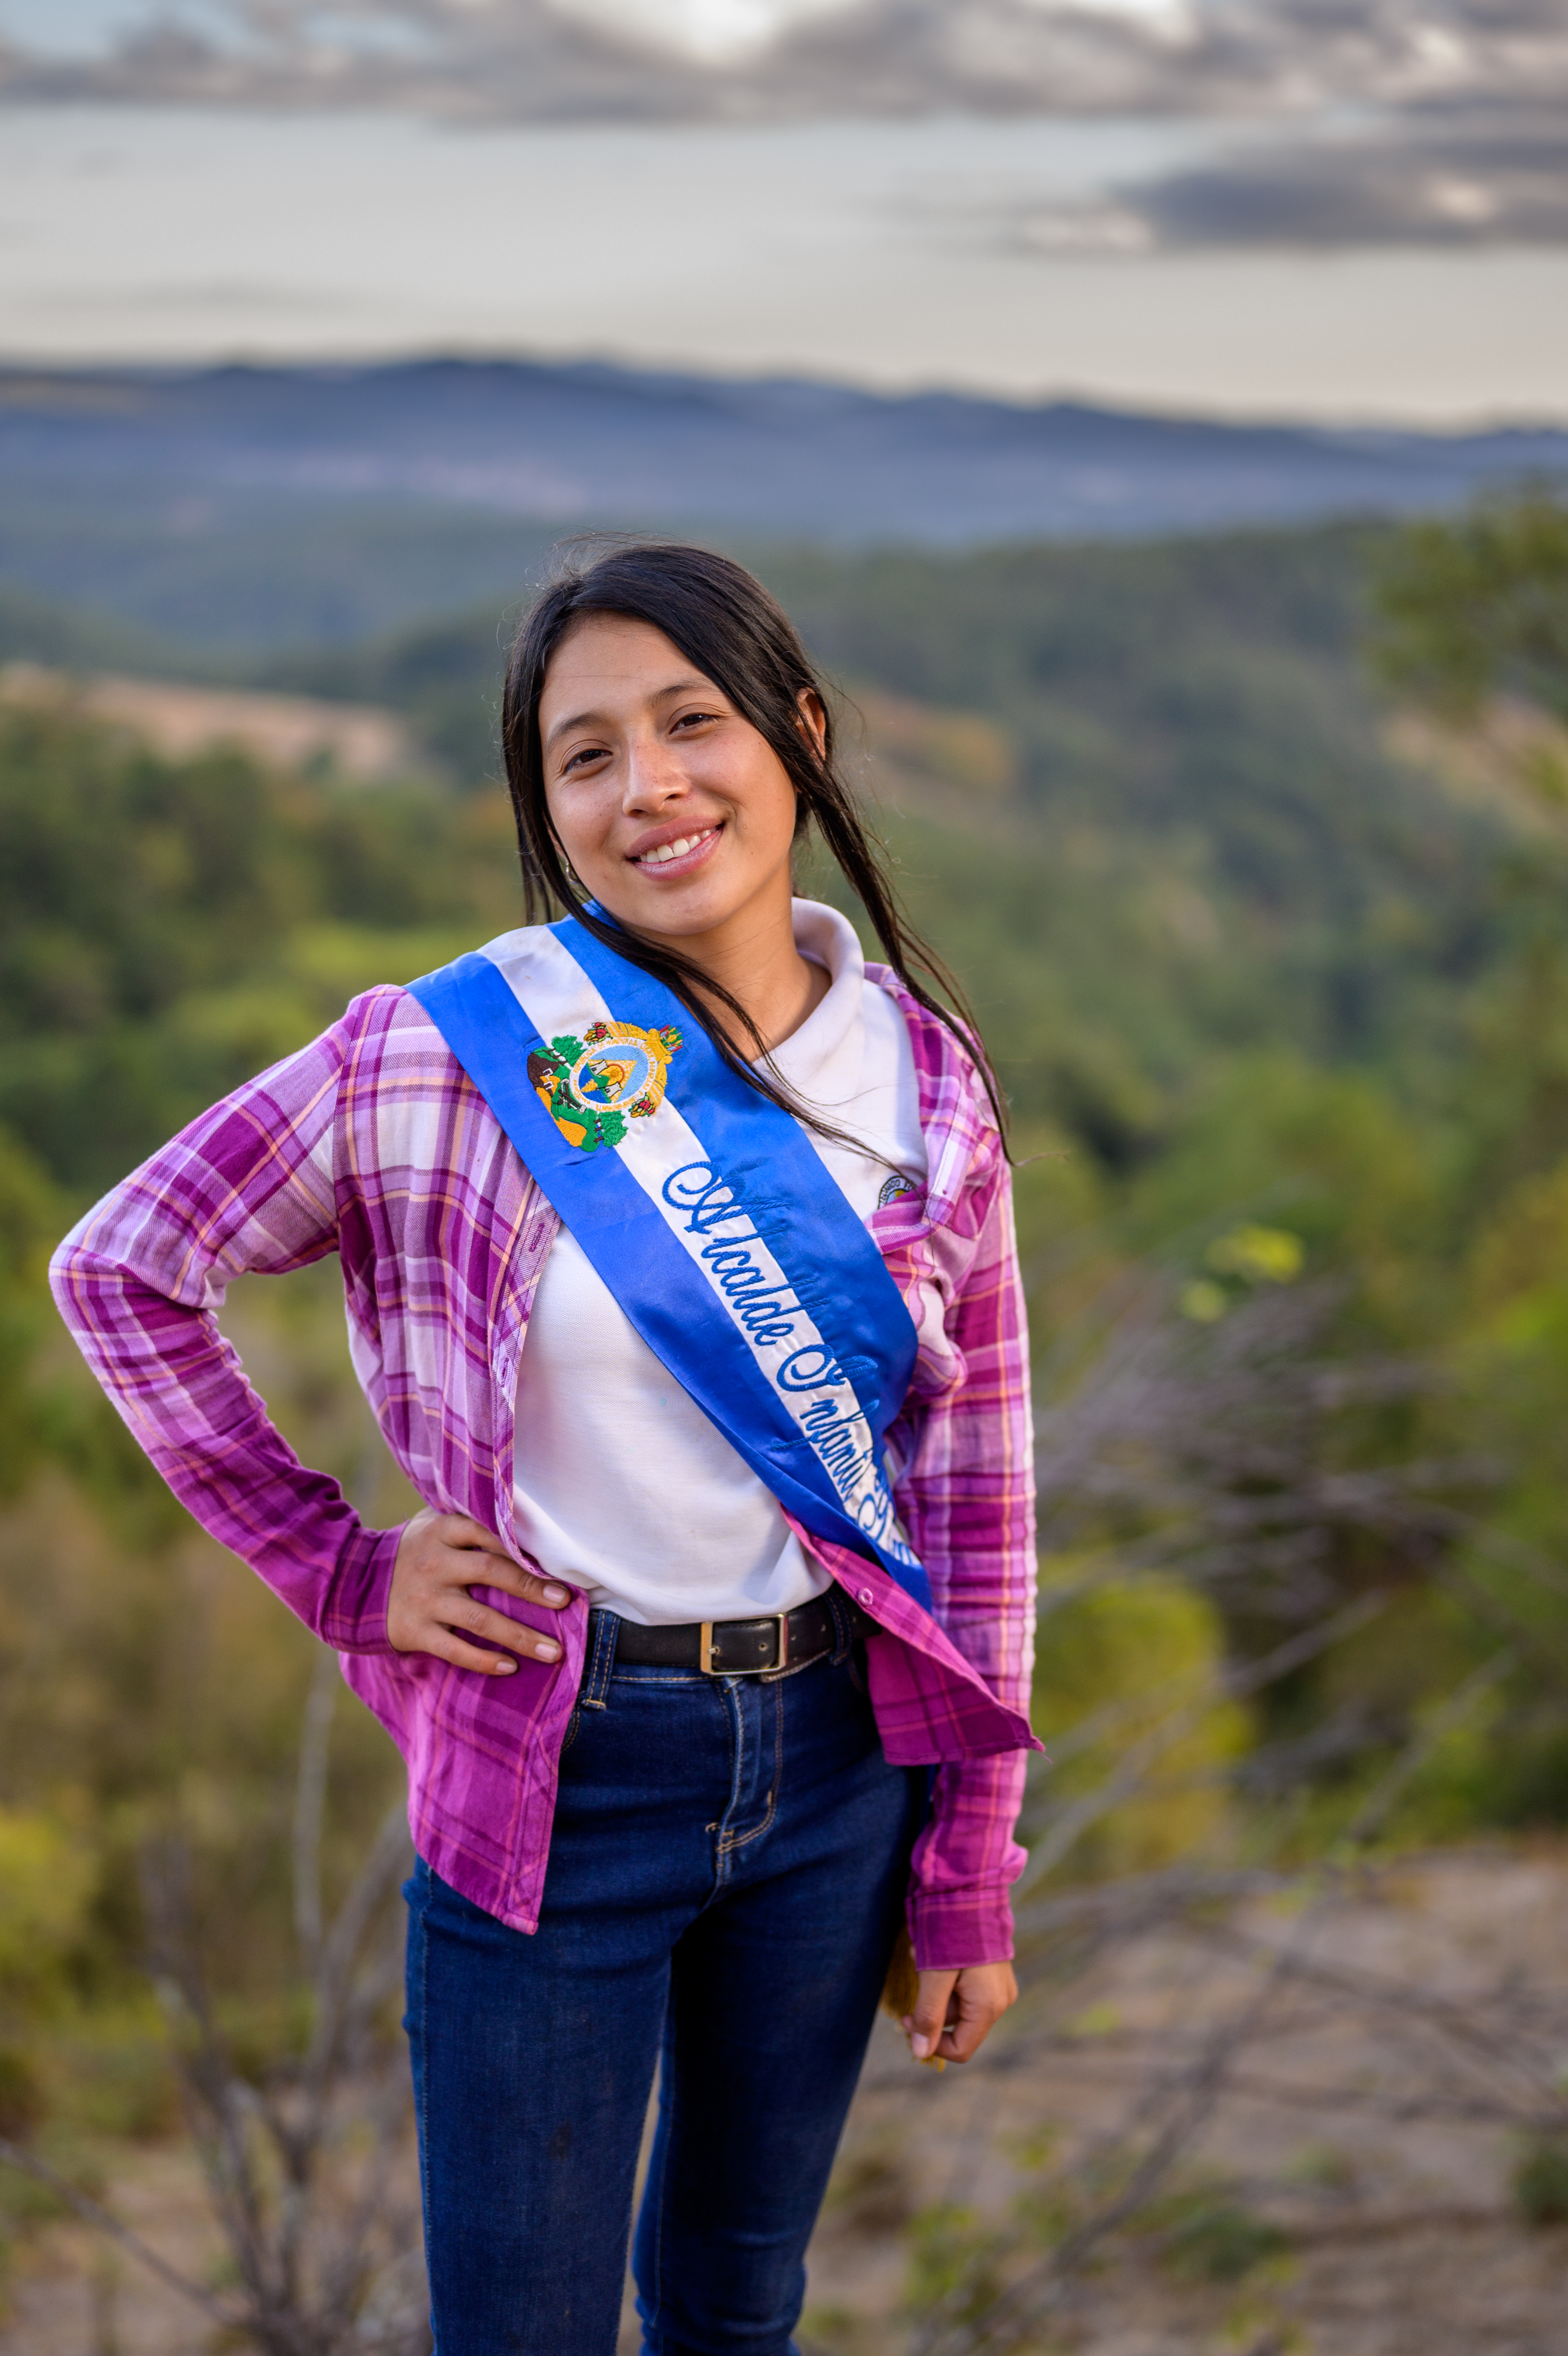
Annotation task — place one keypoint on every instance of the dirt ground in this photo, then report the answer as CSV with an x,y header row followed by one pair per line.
x,y
1343,2187
1359,2148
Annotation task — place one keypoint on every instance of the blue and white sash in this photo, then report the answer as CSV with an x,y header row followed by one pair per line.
x,y
706,1211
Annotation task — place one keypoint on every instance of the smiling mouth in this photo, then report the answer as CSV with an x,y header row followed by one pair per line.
x,y
683,852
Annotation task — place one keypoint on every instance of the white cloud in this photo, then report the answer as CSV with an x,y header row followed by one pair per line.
x,y
1480,176
716,32
1454,106
787,59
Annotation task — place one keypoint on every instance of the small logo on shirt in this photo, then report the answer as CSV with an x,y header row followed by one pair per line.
x,y
894,1189
593,1086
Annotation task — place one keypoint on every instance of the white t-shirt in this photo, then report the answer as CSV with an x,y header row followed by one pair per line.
x,y
622,1485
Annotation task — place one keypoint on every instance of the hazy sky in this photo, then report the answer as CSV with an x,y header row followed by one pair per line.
x,y
1298,206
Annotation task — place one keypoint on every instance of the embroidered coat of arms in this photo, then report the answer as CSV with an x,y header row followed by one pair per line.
x,y
593,1086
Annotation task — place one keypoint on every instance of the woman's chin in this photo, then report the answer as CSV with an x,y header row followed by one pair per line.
x,y
677,917
698,902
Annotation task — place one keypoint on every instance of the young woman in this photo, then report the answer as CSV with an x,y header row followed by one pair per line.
x,y
678,1251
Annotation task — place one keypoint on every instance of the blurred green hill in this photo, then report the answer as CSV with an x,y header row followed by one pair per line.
x,y
81,639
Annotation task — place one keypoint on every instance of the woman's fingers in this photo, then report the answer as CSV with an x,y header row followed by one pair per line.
x,y
500,1570
431,1607
477,1621
459,1635
956,2011
443,1645
963,2039
461,1539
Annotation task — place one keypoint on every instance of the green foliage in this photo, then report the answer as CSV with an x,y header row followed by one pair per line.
x,y
1220,2241
22,2103
1540,2181
64,637
1479,606
1331,1158
1257,1255
25,2201
47,1873
166,929
31,1216
1197,704
446,675
112,2073
951,2262
1132,1665
149,1689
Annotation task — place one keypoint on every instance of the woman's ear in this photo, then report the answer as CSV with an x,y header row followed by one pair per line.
x,y
812,721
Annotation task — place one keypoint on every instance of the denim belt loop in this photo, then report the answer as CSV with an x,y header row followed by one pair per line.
x,y
604,1627
843,1625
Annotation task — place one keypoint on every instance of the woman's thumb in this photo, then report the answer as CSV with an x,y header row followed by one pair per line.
x,y
924,2025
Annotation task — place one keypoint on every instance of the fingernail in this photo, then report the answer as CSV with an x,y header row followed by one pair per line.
x,y
557,1595
919,2046
502,1668
546,1651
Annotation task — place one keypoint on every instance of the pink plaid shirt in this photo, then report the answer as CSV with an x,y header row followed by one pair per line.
x,y
372,1142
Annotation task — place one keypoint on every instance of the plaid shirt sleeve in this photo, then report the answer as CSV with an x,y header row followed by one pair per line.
x,y
966,1493
250,1185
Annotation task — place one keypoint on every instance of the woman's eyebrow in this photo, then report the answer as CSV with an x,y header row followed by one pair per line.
x,y
575,720
677,687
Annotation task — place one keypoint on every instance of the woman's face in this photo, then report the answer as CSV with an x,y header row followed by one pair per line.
x,y
675,812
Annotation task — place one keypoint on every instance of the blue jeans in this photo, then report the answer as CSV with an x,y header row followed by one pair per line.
x,y
726,1877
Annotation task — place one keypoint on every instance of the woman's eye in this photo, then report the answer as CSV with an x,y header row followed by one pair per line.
x,y
696,719
588,753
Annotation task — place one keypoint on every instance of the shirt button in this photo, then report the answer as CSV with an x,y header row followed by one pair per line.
x,y
863,1596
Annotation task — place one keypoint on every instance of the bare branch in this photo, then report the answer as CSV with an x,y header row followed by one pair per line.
x,y
309,1803
103,2221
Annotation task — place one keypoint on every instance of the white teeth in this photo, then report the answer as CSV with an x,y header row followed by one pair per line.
x,y
676,850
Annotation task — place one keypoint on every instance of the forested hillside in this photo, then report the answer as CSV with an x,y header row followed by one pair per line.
x,y
165,930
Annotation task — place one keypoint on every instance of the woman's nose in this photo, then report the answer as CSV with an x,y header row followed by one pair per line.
x,y
654,774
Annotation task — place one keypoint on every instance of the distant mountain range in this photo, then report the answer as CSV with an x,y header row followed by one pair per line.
x,y
814,461
111,481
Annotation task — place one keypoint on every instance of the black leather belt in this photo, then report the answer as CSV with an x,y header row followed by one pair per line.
x,y
742,1648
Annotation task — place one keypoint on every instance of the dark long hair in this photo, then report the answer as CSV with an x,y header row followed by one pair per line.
x,y
727,626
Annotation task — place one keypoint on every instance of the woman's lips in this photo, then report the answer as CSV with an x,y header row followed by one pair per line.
x,y
681,856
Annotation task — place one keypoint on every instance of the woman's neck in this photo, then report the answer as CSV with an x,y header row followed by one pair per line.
x,y
753,955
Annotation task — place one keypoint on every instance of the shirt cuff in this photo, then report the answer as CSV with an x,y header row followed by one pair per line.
x,y
953,1929
354,1619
